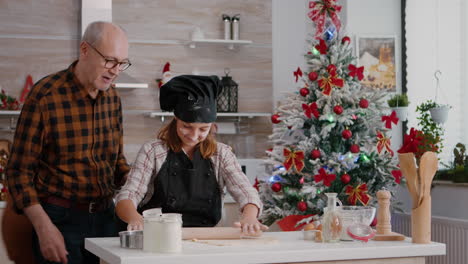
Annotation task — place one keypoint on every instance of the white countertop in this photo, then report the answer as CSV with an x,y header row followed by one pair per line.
x,y
290,248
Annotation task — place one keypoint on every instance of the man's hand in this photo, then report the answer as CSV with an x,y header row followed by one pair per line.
x,y
51,240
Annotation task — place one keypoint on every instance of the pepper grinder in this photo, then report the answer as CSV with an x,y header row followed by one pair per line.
x,y
384,227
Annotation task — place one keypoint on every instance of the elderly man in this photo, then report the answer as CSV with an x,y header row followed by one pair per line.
x,y
67,160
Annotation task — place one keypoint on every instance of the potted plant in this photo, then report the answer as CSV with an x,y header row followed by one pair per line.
x,y
439,113
457,171
399,103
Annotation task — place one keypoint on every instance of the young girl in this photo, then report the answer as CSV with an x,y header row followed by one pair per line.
x,y
185,170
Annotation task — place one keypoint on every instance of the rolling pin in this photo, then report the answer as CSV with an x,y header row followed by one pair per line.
x,y
220,233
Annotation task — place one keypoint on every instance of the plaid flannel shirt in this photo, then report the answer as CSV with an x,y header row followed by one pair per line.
x,y
153,154
66,143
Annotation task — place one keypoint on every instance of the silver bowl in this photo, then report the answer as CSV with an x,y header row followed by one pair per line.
x,y
131,239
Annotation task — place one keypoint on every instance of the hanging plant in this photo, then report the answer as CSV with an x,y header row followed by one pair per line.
x,y
433,131
399,103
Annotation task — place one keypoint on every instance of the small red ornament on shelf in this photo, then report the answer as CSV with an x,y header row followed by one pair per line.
x,y
345,178
304,91
275,119
354,148
276,187
345,39
338,109
315,154
364,103
313,76
302,206
346,134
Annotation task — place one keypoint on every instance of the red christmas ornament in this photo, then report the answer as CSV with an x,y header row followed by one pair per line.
x,y
315,154
304,91
354,148
345,178
374,222
346,39
331,68
302,206
275,119
338,109
346,134
313,76
364,103
276,187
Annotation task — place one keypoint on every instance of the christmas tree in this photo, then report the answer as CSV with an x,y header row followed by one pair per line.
x,y
330,135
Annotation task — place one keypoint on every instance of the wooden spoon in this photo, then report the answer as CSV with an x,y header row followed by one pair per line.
x,y
408,168
427,169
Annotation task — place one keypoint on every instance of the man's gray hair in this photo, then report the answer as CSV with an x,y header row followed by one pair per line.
x,y
93,32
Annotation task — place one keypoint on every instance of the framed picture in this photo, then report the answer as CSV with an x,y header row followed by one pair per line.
x,y
377,55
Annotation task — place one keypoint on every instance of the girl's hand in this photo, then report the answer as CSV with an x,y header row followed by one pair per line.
x,y
251,226
135,224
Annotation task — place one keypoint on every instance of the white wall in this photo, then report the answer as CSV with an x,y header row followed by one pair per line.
x,y
434,42
289,44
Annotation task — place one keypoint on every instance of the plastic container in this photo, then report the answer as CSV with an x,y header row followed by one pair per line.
x,y
163,233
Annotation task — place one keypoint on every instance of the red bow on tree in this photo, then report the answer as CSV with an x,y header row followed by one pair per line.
x,y
358,193
356,71
397,175
327,83
327,178
257,184
293,159
311,109
319,11
392,118
383,142
321,47
298,73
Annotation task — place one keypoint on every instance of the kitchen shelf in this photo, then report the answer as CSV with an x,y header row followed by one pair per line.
x,y
10,112
239,115
229,43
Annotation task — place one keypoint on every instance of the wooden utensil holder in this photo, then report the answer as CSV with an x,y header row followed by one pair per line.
x,y
421,222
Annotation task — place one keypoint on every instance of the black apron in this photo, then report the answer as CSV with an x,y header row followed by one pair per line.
x,y
188,187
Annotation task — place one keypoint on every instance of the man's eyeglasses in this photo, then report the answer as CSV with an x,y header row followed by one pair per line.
x,y
111,63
